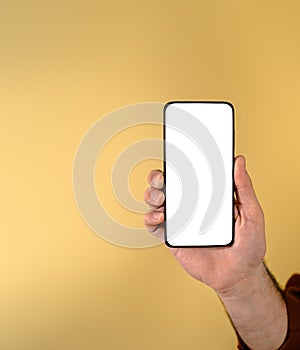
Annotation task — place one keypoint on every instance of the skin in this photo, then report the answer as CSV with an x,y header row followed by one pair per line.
x,y
237,273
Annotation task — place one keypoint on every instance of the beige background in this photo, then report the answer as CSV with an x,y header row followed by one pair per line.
x,y
63,65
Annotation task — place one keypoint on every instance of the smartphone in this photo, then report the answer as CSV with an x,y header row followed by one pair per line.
x,y
199,168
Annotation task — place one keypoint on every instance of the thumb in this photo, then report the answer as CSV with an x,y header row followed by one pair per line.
x,y
243,186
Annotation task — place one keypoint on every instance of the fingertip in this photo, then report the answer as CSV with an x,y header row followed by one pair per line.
x,y
240,163
244,188
243,161
156,179
154,174
153,218
157,217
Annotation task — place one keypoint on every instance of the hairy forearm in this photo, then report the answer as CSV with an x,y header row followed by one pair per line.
x,y
257,311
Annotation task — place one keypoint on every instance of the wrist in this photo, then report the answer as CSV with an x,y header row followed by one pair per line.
x,y
254,282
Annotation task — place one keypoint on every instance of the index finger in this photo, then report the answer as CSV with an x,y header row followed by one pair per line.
x,y
156,179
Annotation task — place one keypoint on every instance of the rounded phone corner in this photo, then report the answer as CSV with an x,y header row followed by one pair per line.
x,y
230,243
230,105
168,244
167,104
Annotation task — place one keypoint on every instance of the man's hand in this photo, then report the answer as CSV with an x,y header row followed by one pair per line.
x,y
237,273
222,267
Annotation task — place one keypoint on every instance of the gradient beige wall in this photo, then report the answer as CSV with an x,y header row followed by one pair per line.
x,y
65,64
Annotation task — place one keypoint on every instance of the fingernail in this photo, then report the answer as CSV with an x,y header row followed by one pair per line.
x,y
157,183
157,216
157,179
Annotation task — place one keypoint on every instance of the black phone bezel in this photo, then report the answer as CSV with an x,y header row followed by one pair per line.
x,y
165,177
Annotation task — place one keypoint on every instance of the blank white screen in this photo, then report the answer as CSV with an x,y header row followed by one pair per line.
x,y
217,120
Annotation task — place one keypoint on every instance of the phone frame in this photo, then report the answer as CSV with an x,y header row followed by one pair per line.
x,y
165,177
